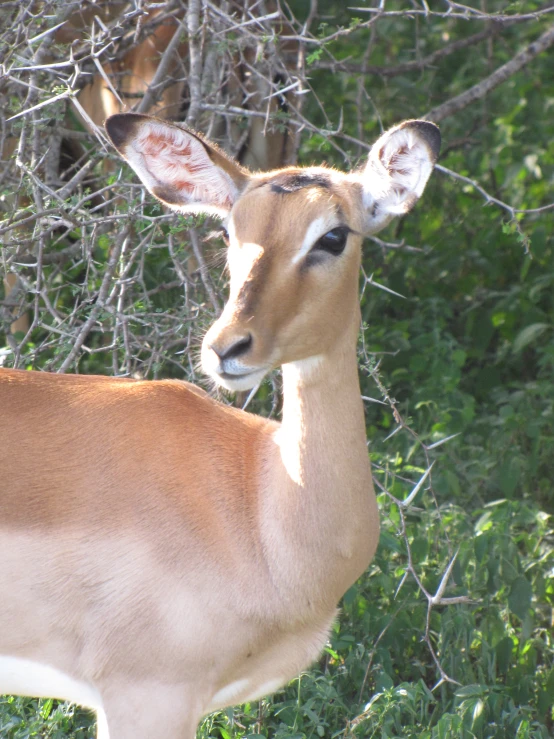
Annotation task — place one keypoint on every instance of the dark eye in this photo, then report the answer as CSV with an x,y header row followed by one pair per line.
x,y
225,236
333,241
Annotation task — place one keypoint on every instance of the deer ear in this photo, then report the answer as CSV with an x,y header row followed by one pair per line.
x,y
177,166
399,165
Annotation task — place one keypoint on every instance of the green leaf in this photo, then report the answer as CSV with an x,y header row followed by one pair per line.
x,y
504,650
520,596
314,56
528,335
388,541
469,691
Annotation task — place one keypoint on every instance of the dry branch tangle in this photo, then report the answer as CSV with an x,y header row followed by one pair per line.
x,y
137,76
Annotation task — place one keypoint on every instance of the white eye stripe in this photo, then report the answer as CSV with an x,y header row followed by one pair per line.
x,y
317,228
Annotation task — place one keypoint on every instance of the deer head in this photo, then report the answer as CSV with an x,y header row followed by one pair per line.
x,y
294,235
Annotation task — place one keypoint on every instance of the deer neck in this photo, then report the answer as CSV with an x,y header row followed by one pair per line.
x,y
323,425
325,506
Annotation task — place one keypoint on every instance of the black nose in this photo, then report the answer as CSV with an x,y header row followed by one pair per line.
x,y
237,349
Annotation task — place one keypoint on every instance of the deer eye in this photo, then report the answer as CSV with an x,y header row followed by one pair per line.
x,y
333,242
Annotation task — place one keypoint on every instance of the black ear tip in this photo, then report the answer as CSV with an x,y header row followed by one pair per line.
x,y
120,126
430,133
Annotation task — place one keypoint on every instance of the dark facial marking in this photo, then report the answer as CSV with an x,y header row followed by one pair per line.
x,y
286,183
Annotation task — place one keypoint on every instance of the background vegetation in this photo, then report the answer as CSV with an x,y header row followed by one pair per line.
x,y
449,633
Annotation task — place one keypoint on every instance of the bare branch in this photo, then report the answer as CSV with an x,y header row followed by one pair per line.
x,y
418,64
151,95
100,301
204,274
467,13
499,76
489,198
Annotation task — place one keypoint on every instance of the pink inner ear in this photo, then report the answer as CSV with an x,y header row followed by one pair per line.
x,y
399,162
178,161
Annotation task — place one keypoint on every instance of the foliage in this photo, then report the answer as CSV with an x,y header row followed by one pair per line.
x,y
467,351
21,718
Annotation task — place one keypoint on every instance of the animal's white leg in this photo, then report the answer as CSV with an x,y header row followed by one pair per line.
x,y
147,710
102,729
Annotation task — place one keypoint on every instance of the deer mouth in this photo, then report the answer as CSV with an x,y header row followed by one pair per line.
x,y
239,381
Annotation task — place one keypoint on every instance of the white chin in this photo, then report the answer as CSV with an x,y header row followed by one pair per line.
x,y
239,383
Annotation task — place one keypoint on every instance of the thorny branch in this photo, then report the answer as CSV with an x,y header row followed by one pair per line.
x,y
153,92
417,64
195,57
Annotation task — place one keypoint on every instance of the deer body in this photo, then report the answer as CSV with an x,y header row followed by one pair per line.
x,y
221,523
165,555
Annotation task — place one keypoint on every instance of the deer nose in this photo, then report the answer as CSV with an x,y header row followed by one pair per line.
x,y
234,350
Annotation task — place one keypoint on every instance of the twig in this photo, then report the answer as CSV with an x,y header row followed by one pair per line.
x,y
467,14
204,274
195,57
499,76
418,64
151,95
100,301
301,74
489,198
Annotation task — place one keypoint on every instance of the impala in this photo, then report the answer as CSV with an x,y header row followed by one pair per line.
x,y
164,555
